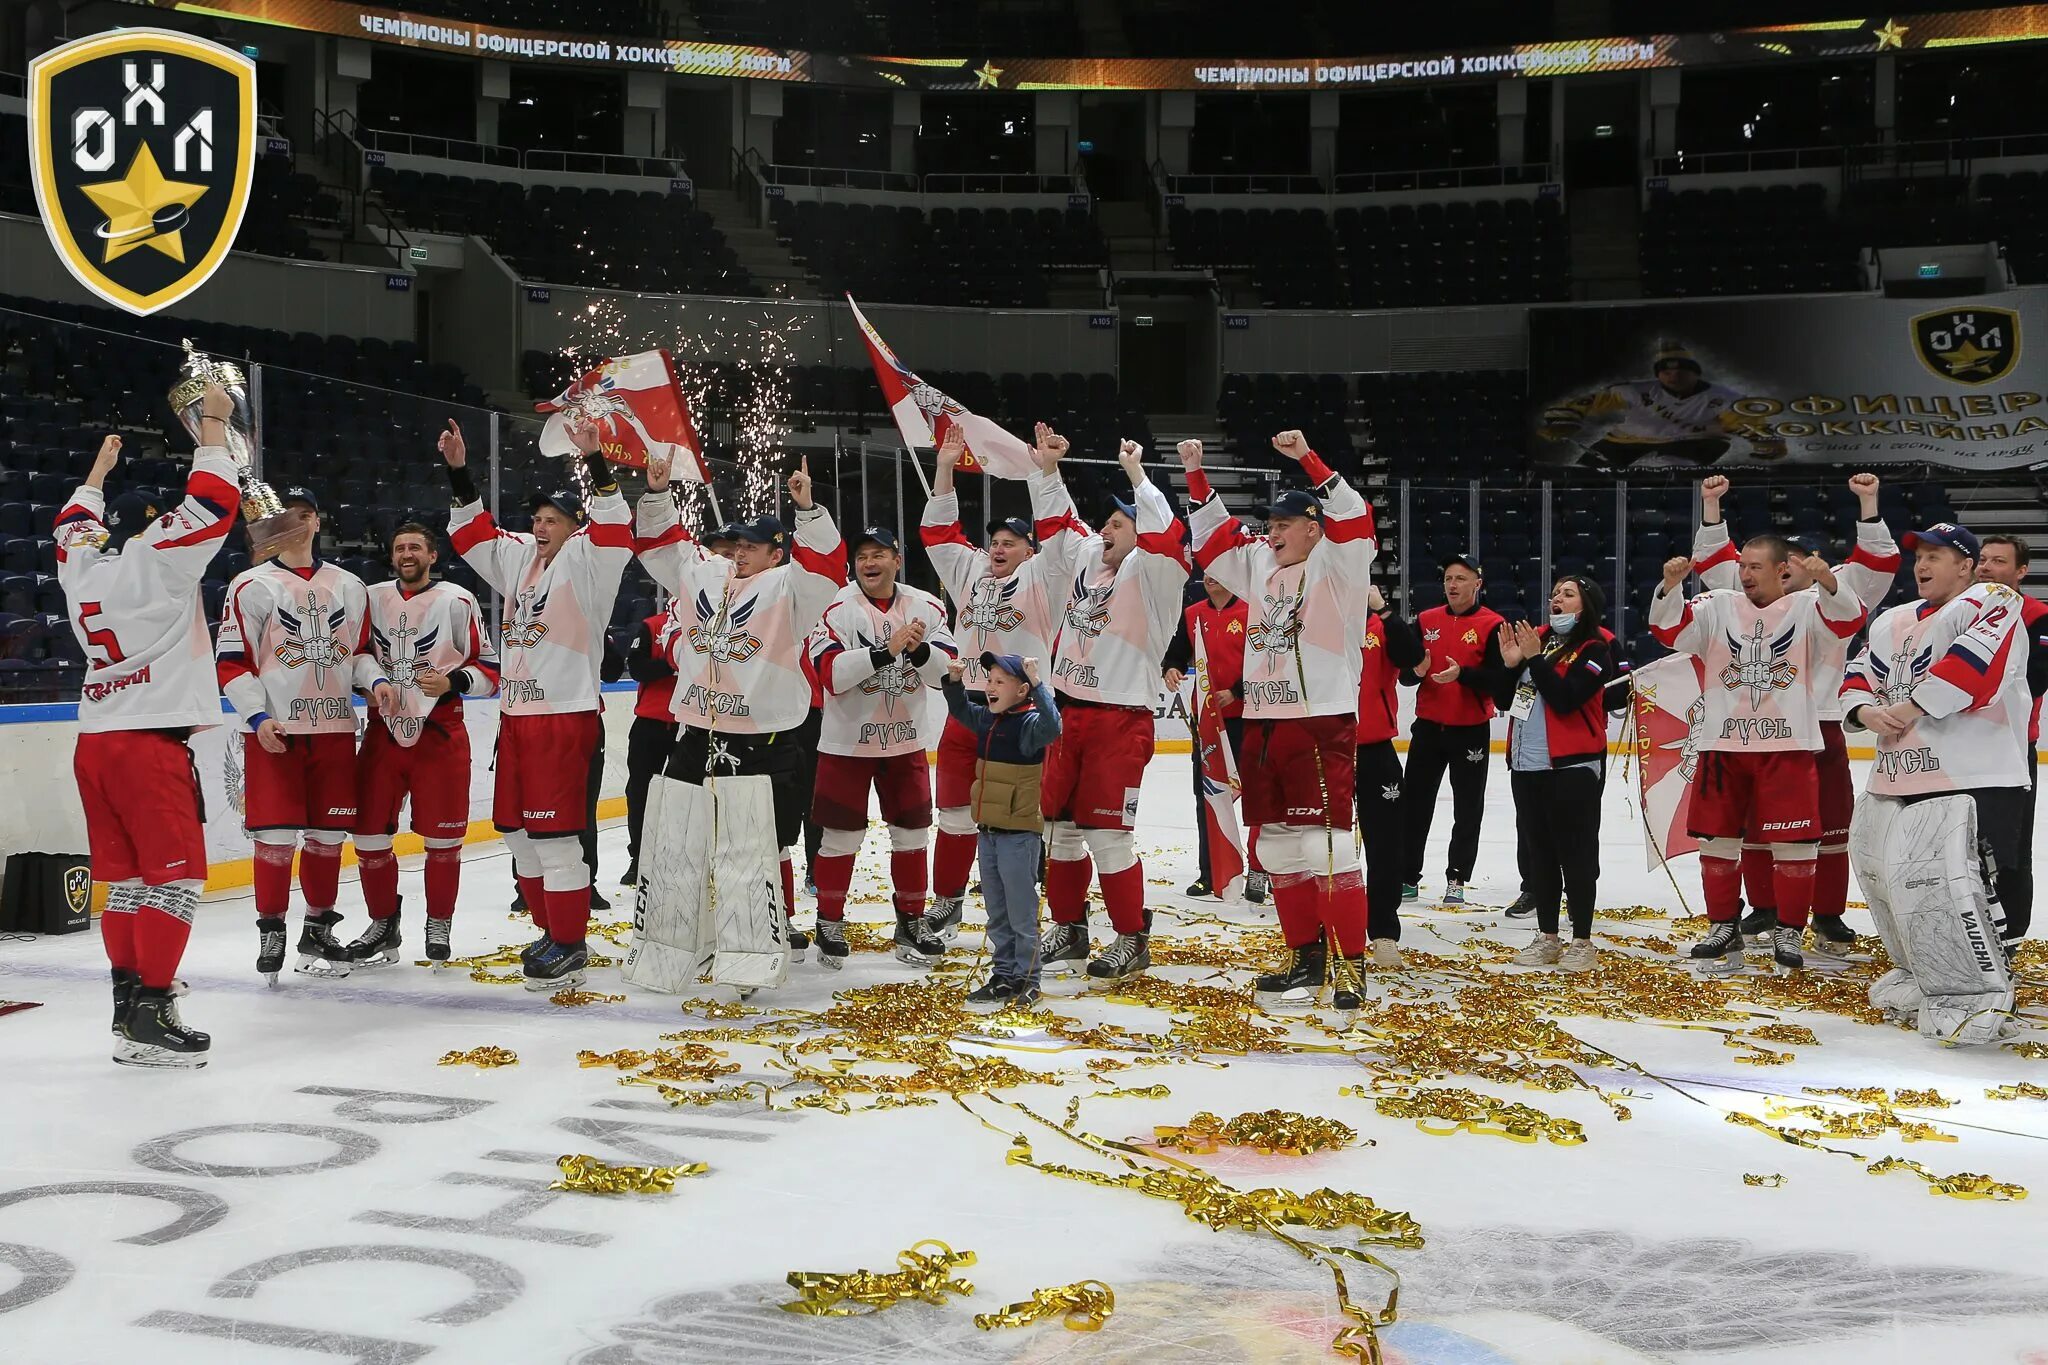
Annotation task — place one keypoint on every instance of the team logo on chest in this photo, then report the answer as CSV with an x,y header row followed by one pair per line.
x,y
1278,628
1895,677
1088,611
303,647
1758,665
992,610
722,633
897,680
403,652
525,629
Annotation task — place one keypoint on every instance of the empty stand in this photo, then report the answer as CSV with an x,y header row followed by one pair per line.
x,y
994,257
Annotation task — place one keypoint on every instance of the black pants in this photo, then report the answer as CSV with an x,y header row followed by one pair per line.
x,y
814,833
1233,734
647,748
2016,887
1432,748
590,786
1379,825
780,757
1557,815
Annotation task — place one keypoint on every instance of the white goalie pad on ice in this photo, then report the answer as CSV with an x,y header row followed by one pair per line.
x,y
1921,871
710,896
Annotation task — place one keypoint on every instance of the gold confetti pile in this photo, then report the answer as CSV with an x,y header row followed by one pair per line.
x,y
924,1276
1765,1182
1273,1132
588,1175
573,999
1963,1185
1083,1307
2025,1090
1471,1112
485,1057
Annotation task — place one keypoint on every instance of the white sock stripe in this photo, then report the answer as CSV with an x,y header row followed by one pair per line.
x,y
956,820
178,899
902,840
373,843
125,898
840,843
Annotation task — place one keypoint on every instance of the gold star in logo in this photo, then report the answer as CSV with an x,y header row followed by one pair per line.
x,y
132,204
1893,34
987,78
1969,358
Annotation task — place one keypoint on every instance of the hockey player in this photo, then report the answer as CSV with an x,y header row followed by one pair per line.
x,y
1869,573
1007,600
434,647
1943,688
1452,729
1760,739
559,583
1310,576
294,646
131,583
878,650
735,636
1106,672
2003,559
1676,415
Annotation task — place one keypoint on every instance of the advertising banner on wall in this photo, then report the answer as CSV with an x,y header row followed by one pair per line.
x,y
1842,379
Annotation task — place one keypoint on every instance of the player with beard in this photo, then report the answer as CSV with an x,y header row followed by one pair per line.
x,y
735,636
878,649
1007,599
430,638
2004,559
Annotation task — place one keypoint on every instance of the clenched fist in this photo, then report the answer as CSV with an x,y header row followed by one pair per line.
x,y
1292,444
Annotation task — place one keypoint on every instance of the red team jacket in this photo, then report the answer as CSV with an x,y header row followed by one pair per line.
x,y
2031,614
1387,653
1447,636
657,679
1221,631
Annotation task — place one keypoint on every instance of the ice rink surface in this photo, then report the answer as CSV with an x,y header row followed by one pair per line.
x,y
326,1190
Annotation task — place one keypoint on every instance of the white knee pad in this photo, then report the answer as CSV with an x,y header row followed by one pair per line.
x,y
840,843
909,840
561,863
125,898
373,843
333,838
275,838
525,862
1114,849
956,820
1870,830
442,843
1729,849
1064,843
1794,853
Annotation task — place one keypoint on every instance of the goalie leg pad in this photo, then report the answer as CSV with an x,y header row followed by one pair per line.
x,y
1938,885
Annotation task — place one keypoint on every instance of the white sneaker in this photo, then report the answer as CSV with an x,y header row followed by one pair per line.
x,y
1578,956
1543,951
1386,953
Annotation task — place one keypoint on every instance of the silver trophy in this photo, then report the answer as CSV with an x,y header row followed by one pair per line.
x,y
268,523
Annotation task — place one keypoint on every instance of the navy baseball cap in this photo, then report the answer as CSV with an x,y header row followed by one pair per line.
x,y
126,516
1296,503
767,531
1129,509
1017,527
564,500
724,533
300,493
1012,664
879,535
1944,533
1468,561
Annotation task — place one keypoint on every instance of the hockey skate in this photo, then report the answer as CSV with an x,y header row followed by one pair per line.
x,y
915,943
1833,941
1785,955
832,949
1720,952
557,967
126,983
943,919
1256,888
1126,956
152,1035
270,947
1347,975
378,945
797,943
1293,988
1064,949
1757,926
320,952
438,932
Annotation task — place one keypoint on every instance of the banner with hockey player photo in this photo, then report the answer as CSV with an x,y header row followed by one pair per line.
x,y
640,411
1668,712
924,414
1846,379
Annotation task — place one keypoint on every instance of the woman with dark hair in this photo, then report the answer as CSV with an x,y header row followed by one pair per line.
x,y
1550,683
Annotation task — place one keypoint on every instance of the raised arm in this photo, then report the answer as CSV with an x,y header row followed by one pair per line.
x,y
500,557
1714,557
817,555
1873,566
1350,542
1678,622
1224,549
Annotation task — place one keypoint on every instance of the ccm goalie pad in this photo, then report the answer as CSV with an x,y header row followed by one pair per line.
x,y
1929,888
710,897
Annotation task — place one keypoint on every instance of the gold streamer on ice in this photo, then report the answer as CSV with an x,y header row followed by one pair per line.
x,y
924,1274
1083,1307
588,1175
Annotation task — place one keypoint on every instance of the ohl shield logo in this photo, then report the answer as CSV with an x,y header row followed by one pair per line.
x,y
1968,345
143,146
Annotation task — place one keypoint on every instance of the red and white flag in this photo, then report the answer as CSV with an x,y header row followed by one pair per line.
x,y
1219,786
639,410
924,414
1669,711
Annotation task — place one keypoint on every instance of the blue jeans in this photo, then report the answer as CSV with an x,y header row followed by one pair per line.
x,y
1009,888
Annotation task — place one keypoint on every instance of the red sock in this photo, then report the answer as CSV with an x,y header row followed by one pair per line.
x,y
320,875
1123,896
273,880
1066,889
1756,876
1831,882
789,887
444,878
379,869
1721,882
832,872
159,946
952,861
1341,902
907,878
117,932
1793,880
534,892
1294,901
568,915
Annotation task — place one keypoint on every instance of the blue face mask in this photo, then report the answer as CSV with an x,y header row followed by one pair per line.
x,y
1561,622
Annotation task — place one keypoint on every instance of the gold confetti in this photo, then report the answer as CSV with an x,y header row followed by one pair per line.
x,y
2024,1090
1274,1132
588,1175
1765,1182
625,1059
2033,1052
1083,1307
572,999
1794,1035
925,1276
485,1057
1471,1112
1964,1185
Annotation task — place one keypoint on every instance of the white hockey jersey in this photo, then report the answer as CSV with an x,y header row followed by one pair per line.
x,y
555,613
1119,622
441,628
1871,569
1759,661
1645,413
137,613
878,712
294,646
1018,613
735,643
1963,663
1305,631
